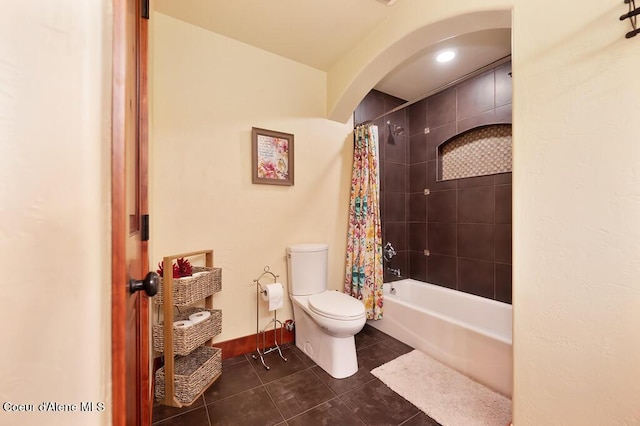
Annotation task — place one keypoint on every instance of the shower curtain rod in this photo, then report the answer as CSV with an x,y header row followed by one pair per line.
x,y
442,88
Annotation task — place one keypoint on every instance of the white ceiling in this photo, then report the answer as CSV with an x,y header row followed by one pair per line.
x,y
421,74
319,33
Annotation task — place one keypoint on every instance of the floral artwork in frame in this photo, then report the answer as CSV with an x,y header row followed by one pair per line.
x,y
272,157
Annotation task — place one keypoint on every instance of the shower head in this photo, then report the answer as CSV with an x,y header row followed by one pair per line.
x,y
395,129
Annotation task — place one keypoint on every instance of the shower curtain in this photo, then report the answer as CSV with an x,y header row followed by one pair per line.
x,y
364,276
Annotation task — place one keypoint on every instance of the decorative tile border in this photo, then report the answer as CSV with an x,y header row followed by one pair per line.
x,y
480,151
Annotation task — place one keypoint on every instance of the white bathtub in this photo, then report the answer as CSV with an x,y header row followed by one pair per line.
x,y
468,333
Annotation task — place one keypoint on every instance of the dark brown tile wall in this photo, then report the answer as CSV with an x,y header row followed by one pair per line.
x,y
465,224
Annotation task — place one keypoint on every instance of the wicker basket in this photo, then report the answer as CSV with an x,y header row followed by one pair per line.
x,y
192,374
187,339
189,290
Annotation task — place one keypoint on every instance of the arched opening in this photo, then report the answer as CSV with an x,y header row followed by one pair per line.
x,y
353,77
452,233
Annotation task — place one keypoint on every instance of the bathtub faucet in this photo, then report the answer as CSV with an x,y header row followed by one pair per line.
x,y
389,252
395,272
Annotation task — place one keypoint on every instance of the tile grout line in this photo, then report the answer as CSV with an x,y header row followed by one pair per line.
x,y
352,390
289,375
311,409
188,410
206,410
335,397
274,403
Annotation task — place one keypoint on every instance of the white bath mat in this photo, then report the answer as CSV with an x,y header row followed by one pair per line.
x,y
445,395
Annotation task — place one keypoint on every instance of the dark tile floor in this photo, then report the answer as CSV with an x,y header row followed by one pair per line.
x,y
298,392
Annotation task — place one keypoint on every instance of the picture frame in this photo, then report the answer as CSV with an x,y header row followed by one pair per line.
x,y
271,157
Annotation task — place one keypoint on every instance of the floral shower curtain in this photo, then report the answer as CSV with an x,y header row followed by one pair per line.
x,y
364,240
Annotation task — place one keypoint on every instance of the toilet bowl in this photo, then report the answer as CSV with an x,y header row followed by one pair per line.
x,y
336,313
325,320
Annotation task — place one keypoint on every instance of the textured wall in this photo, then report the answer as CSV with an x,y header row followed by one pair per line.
x,y
207,96
55,257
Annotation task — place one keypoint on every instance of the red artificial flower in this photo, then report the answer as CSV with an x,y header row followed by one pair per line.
x,y
184,267
176,270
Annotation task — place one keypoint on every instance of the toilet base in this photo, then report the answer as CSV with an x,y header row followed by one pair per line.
x,y
335,355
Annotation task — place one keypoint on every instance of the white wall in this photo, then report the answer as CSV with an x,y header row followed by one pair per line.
x,y
54,204
576,183
208,91
576,215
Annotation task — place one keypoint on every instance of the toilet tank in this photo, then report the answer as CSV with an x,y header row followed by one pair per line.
x,y
307,265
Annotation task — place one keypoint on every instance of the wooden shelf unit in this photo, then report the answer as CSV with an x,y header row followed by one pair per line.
x,y
167,295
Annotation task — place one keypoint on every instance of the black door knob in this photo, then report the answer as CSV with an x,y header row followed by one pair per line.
x,y
149,284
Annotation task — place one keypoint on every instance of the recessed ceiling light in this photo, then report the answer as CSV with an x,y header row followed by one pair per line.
x,y
445,56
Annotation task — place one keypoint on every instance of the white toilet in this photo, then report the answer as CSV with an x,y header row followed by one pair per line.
x,y
325,320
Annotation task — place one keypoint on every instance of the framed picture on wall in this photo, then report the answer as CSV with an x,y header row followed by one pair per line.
x,y
271,157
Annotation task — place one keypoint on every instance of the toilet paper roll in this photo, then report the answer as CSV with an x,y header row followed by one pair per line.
x,y
198,317
273,293
182,324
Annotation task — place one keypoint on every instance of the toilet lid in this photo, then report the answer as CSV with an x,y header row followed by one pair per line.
x,y
333,304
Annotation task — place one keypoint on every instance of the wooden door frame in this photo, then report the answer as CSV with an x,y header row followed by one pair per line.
x,y
119,215
143,134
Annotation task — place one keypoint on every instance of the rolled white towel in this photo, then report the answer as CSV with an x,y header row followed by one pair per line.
x,y
182,324
198,317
